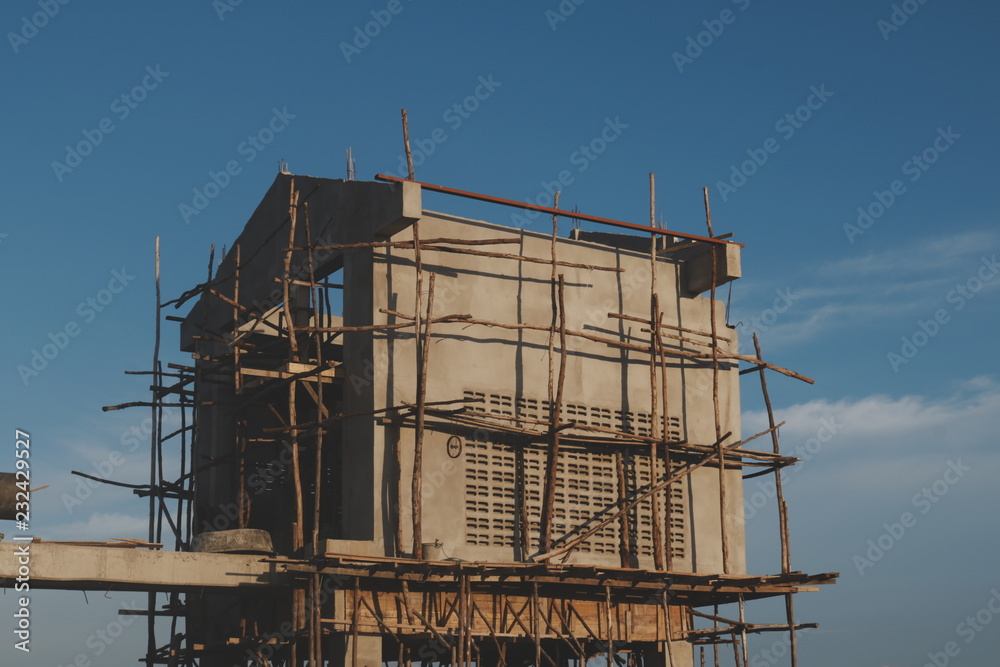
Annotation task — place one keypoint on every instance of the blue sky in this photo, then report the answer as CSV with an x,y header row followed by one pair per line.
x,y
795,115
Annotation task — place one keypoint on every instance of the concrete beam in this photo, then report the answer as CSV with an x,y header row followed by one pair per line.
x,y
697,270
72,567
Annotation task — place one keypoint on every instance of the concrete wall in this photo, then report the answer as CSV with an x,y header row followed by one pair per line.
x,y
503,363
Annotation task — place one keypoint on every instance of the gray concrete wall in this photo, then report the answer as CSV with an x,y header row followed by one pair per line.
x,y
506,363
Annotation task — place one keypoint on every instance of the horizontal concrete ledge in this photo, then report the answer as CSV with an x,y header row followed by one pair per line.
x,y
72,567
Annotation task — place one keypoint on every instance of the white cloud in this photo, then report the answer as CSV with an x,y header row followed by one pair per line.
x,y
908,281
884,443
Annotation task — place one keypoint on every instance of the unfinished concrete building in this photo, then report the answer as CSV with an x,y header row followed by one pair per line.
x,y
414,437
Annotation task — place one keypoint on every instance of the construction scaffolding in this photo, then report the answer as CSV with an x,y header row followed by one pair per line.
x,y
268,440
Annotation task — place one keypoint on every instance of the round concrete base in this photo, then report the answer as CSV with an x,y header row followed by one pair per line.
x,y
240,541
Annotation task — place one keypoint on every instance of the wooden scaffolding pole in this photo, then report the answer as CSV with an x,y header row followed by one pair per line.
x,y
154,449
555,403
423,352
654,317
551,472
406,145
298,595
315,611
786,558
667,537
723,508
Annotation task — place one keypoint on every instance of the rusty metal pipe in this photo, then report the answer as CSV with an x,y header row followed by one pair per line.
x,y
556,211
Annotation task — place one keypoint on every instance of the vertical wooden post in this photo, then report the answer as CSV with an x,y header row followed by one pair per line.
x,y
551,472
548,491
652,199
667,470
708,213
666,618
625,529
715,645
654,318
462,613
607,617
723,509
743,632
786,559
406,145
790,614
424,351
536,622
154,447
